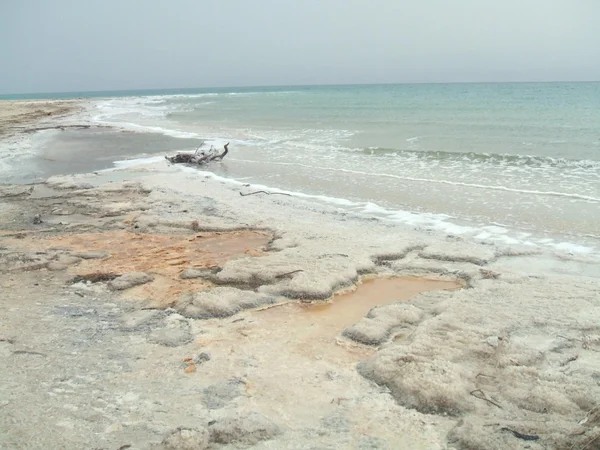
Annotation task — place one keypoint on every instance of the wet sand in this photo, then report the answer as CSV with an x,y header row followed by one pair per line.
x,y
55,137
62,153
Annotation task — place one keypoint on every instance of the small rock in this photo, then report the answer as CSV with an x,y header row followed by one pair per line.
x,y
55,266
245,430
129,280
202,357
489,274
61,212
217,395
372,443
220,302
68,259
494,341
194,273
174,334
186,439
336,423
113,428
331,375
75,311
62,262
5,349
138,319
91,255
80,186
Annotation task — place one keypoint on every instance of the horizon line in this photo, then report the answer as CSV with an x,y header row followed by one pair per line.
x,y
291,86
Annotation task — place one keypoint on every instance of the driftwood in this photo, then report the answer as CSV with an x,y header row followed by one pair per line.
x,y
198,157
525,437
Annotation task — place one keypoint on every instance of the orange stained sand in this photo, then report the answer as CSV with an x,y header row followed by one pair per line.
x,y
164,256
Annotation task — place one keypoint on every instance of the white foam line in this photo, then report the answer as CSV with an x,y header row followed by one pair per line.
x,y
324,198
125,163
429,180
129,126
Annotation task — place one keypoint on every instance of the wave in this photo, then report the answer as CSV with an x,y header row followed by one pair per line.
x,y
159,98
129,126
436,181
489,158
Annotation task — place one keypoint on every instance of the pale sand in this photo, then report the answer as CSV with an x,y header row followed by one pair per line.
x,y
20,115
236,364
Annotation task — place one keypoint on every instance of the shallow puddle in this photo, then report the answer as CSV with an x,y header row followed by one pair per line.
x,y
348,308
311,328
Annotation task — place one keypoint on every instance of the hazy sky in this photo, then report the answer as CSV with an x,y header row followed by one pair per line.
x,y
75,45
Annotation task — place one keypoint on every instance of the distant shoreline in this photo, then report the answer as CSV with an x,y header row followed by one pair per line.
x,y
19,115
81,95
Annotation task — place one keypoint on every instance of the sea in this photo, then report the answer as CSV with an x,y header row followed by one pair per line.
x,y
502,163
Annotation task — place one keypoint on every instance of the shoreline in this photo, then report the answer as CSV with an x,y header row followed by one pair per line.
x,y
95,360
141,142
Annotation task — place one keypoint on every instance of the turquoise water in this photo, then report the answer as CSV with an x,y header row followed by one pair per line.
x,y
514,162
504,118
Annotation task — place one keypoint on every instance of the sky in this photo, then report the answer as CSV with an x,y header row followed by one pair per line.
x,y
83,45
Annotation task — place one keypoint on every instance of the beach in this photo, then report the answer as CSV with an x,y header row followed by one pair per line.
x,y
150,305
